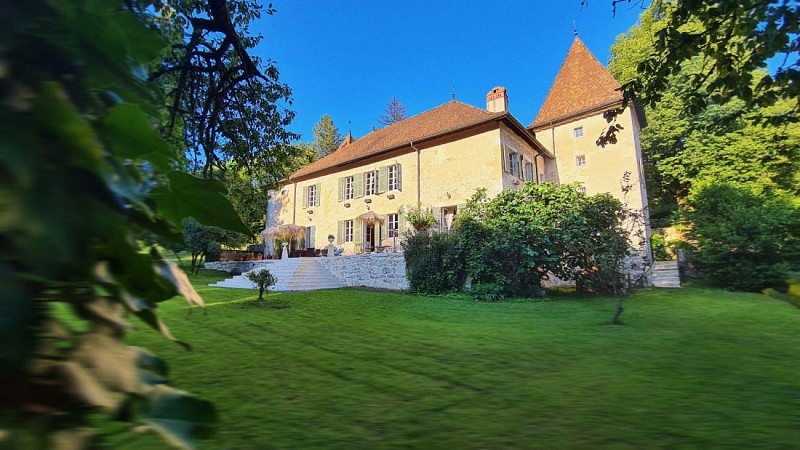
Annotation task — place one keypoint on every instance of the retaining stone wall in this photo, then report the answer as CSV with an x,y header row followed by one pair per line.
x,y
376,270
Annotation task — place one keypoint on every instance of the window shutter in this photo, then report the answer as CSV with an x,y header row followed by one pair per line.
x,y
340,231
383,179
358,231
378,237
358,179
305,197
504,156
399,177
317,193
341,189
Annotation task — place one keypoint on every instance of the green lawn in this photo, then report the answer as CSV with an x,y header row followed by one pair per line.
x,y
691,368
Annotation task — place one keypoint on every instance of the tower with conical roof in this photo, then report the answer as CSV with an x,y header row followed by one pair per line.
x,y
571,120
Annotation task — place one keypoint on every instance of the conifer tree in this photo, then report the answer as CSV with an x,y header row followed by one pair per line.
x,y
326,137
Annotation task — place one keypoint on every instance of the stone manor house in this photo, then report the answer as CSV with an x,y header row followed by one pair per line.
x,y
439,158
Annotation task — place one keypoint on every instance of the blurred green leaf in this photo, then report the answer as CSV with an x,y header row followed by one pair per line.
x,y
204,200
178,416
177,277
17,329
130,135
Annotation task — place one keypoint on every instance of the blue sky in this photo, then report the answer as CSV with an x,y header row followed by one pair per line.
x,y
348,58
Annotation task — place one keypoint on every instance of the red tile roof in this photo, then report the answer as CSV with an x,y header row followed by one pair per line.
x,y
450,117
582,85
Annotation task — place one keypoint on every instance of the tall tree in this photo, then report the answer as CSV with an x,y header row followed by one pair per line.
x,y
721,141
227,107
326,137
734,39
394,112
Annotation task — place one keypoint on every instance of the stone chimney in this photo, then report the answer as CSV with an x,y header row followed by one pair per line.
x,y
497,100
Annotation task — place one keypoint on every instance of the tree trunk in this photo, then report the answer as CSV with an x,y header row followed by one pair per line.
x,y
618,313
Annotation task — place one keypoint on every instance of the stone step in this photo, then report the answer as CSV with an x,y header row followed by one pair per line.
x,y
666,274
295,274
666,265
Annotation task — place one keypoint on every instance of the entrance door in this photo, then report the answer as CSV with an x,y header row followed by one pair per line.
x,y
369,237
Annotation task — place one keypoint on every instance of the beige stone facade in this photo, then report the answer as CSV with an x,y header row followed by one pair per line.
x,y
578,158
441,174
439,158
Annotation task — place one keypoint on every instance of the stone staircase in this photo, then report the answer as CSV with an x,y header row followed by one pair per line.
x,y
666,274
292,274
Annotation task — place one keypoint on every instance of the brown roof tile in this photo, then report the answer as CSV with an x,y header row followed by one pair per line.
x,y
582,84
443,119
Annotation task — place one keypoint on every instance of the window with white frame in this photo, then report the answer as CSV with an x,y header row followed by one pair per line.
x,y
349,188
348,231
577,132
393,224
580,160
394,177
311,196
582,189
371,183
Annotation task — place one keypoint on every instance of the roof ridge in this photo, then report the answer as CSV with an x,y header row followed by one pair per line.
x,y
439,120
475,107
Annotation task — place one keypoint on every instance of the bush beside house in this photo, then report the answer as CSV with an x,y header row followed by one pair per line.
x,y
519,239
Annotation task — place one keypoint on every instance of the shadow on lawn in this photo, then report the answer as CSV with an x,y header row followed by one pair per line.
x,y
272,304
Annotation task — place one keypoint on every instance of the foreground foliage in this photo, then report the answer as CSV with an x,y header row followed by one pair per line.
x,y
83,173
364,369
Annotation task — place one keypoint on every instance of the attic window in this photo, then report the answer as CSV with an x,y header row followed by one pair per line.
x,y
577,132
